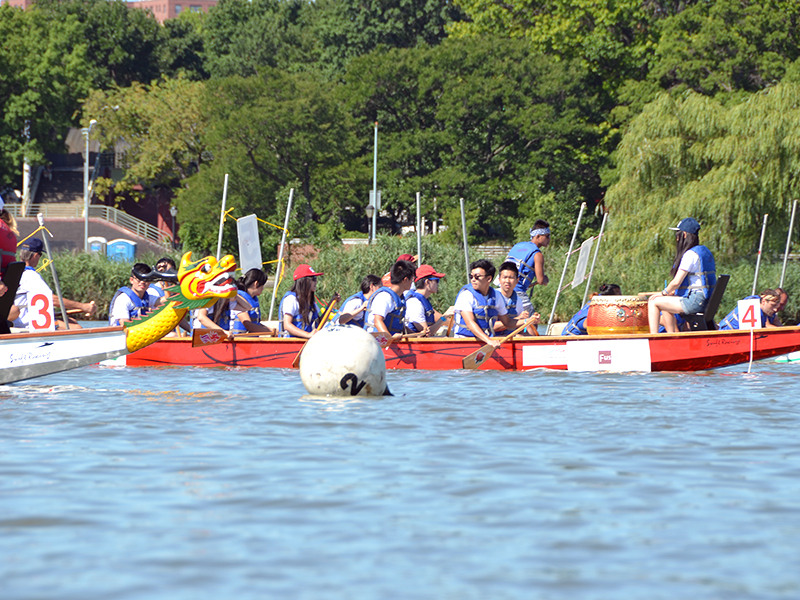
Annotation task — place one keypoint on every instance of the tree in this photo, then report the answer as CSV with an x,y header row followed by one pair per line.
x,y
182,50
161,125
724,166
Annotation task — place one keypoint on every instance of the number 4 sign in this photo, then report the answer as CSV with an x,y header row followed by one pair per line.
x,y
750,313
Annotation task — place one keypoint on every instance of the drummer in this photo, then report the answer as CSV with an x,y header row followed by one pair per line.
x,y
479,305
577,324
694,275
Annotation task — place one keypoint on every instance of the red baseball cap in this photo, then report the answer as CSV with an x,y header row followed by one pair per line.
x,y
305,271
427,271
407,257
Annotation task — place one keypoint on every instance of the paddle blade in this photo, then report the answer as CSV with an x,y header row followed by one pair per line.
x,y
384,339
477,358
207,337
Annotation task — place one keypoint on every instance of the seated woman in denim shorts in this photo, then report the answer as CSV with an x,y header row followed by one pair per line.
x,y
694,276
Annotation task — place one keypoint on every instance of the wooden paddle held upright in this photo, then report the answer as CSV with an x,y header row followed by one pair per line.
x,y
480,356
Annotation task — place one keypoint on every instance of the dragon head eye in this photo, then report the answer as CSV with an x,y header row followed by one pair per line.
x,y
206,268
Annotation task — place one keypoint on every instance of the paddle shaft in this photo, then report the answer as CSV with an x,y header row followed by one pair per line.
x,y
470,361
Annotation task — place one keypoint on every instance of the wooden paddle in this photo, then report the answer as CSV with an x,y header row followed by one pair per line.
x,y
322,320
480,356
209,337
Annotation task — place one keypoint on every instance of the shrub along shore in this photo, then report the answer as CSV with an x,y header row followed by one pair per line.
x,y
86,277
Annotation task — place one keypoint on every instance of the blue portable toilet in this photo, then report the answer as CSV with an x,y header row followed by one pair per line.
x,y
121,250
97,244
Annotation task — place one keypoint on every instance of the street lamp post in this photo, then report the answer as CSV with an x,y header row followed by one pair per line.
x,y
86,131
173,210
370,210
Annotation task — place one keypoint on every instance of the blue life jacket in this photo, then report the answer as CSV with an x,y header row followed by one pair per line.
x,y
731,320
522,255
297,320
511,304
427,307
140,305
224,319
394,320
577,324
485,312
360,319
708,274
255,313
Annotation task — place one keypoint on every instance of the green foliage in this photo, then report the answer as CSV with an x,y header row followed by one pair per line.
x,y
725,166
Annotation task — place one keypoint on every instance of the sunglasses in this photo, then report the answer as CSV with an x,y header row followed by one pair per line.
x,y
474,276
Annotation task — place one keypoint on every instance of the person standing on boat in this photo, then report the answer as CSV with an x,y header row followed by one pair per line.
x,y
8,242
530,261
420,314
515,302
298,313
770,300
386,311
134,301
245,310
694,275
478,305
354,308
577,324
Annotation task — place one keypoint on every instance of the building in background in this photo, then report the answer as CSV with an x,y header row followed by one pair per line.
x,y
161,9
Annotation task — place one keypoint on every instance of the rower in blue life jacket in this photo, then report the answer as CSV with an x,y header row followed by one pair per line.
x,y
354,309
478,305
134,301
770,301
577,324
515,301
245,311
298,314
694,275
386,311
420,314
530,261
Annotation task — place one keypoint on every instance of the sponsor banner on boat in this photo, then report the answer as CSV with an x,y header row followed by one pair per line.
x,y
608,355
544,355
18,353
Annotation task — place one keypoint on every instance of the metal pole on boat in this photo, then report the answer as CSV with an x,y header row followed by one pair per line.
x,y
594,258
464,233
788,243
40,217
222,217
280,252
566,263
760,246
419,233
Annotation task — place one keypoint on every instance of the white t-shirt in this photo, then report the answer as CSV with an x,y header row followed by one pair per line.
x,y
692,264
415,312
35,301
466,301
122,307
350,307
382,304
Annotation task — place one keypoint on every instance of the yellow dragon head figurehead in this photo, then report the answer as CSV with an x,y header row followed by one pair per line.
x,y
205,280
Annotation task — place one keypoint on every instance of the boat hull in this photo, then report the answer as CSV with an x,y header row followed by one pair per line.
x,y
28,355
693,351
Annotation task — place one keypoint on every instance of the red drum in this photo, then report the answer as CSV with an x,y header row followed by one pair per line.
x,y
617,314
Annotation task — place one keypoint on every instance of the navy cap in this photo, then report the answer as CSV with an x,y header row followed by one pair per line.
x,y
689,225
34,245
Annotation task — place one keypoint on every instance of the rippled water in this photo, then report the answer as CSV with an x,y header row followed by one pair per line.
x,y
190,483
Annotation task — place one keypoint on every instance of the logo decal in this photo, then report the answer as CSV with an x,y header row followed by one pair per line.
x,y
604,357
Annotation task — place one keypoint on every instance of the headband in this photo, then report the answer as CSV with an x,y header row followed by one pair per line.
x,y
543,231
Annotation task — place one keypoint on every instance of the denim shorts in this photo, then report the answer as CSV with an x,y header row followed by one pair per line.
x,y
695,302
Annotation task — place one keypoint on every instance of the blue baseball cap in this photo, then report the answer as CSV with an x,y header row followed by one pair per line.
x,y
34,245
689,225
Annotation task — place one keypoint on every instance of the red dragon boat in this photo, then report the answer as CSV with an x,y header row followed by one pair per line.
x,y
690,351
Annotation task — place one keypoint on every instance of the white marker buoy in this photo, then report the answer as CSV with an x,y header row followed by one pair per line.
x,y
343,361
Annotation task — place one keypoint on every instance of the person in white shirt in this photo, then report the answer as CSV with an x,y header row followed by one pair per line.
x,y
354,308
135,301
387,308
420,314
34,303
479,305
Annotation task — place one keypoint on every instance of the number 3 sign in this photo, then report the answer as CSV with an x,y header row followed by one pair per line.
x,y
750,313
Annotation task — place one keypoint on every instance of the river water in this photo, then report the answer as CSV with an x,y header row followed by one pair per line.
x,y
184,483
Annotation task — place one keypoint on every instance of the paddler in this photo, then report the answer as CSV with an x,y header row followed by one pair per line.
x,y
479,305
420,314
298,313
131,302
245,310
515,302
354,308
530,261
769,301
694,275
386,311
